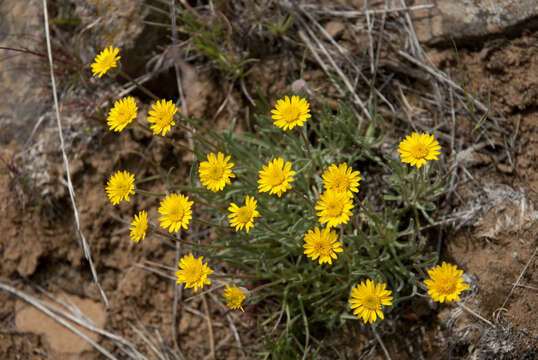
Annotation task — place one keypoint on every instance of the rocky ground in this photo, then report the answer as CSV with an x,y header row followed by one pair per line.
x,y
488,224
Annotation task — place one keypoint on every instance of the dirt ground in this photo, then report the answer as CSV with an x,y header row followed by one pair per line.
x,y
496,246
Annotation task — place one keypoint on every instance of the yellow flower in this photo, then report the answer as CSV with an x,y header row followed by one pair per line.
x,y
162,116
243,217
139,226
322,244
122,114
193,272
215,173
176,211
341,179
276,177
446,284
120,186
105,61
334,208
416,149
290,113
367,298
234,297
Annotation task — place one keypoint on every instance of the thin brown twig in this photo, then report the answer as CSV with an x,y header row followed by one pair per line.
x,y
209,328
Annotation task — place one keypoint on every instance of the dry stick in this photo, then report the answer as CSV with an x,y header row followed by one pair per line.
x,y
40,306
441,77
519,278
353,14
345,55
378,338
475,314
85,246
210,329
356,99
147,342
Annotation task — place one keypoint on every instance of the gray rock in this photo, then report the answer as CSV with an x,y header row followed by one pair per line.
x,y
471,19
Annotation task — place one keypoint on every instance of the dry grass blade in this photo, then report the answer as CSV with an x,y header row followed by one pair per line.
x,y
41,306
85,246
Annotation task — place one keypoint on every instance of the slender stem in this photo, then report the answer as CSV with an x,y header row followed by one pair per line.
x,y
148,193
164,138
210,224
147,179
304,197
306,143
138,85
155,230
262,223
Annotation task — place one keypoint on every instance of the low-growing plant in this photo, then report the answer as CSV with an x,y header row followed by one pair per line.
x,y
297,244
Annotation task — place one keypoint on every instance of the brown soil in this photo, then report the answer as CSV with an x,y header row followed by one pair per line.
x,y
40,249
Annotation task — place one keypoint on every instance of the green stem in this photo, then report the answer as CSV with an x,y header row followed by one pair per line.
x,y
262,223
306,143
149,193
173,238
138,85
304,197
147,179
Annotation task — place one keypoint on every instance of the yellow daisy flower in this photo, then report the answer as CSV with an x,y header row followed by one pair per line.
x,y
122,114
243,217
120,186
367,298
139,226
176,211
276,177
193,272
334,208
106,60
341,179
234,297
446,284
416,149
323,244
162,116
215,173
290,113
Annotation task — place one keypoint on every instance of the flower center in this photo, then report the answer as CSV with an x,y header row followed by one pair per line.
x,y
124,188
342,183
323,248
244,215
216,172
176,214
193,273
291,114
419,151
277,177
446,285
371,302
335,208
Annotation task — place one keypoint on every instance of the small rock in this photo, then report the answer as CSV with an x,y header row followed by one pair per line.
x,y
335,28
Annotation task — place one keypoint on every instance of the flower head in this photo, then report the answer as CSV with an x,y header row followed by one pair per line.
x,y
341,179
234,297
276,177
120,186
446,283
176,211
122,114
162,116
193,272
334,208
367,298
323,244
243,217
215,173
290,113
139,226
416,149
105,61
